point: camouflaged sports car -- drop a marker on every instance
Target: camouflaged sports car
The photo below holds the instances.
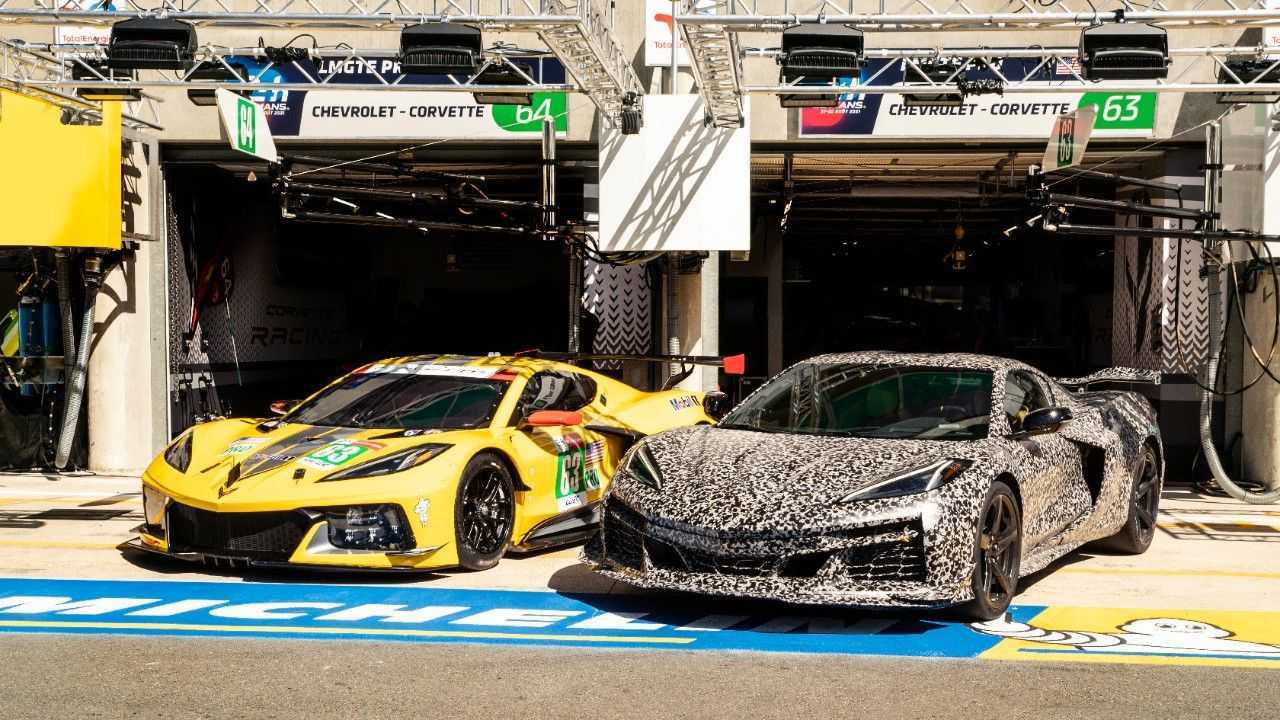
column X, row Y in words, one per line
column 883, row 479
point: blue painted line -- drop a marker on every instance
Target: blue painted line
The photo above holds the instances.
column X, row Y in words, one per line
column 449, row 615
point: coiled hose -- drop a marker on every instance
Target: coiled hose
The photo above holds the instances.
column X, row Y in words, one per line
column 1206, row 408
column 63, row 265
column 78, row 371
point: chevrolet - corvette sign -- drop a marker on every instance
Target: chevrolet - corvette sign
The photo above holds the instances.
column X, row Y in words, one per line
column 1021, row 115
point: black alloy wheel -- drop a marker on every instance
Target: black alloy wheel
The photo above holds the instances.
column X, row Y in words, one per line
column 484, row 512
column 1144, row 506
column 998, row 555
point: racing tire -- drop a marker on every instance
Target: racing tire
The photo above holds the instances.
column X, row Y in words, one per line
column 484, row 512
column 1144, row 506
column 997, row 555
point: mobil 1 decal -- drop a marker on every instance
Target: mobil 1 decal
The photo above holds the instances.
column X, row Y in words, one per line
column 361, row 114
column 577, row 470
column 1020, row 115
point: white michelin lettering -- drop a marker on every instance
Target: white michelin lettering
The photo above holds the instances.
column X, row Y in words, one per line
column 823, row 625
column 713, row 623
column 270, row 610
column 176, row 608
column 40, row 604
column 393, row 613
column 515, row 617
column 617, row 621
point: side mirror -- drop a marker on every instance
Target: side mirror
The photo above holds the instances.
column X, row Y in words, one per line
column 553, row 418
column 715, row 404
column 1045, row 420
column 280, row 407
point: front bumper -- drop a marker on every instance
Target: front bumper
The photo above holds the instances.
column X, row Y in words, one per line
column 286, row 538
column 884, row 564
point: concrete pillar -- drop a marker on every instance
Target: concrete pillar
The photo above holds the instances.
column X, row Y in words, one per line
column 698, row 319
column 127, row 372
column 1260, row 423
column 1257, row 152
column 773, row 257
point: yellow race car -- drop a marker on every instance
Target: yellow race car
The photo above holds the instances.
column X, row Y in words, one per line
column 413, row 463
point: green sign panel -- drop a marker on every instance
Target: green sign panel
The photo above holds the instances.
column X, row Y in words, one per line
column 529, row 118
column 246, row 126
column 1122, row 111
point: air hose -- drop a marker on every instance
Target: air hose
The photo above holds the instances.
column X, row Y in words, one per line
column 63, row 268
column 1216, row 332
column 94, row 271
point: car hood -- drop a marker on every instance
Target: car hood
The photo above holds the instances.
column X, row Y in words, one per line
column 249, row 462
column 740, row 480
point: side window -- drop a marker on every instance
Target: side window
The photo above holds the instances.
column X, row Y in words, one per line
column 556, row 391
column 1022, row 395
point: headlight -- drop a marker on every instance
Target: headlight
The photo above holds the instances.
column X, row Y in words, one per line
column 153, row 506
column 912, row 482
column 178, row 455
column 367, row 527
column 393, row 463
column 639, row 464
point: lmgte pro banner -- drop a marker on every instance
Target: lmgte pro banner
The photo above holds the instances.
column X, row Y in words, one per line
column 356, row 114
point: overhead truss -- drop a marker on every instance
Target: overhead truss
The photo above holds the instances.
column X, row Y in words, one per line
column 712, row 31
column 578, row 32
column 37, row 75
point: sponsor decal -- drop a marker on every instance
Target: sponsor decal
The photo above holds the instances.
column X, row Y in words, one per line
column 1029, row 115
column 450, row 615
column 545, row 618
column 429, row 368
column 1162, row 637
column 244, row 445
column 339, row 452
column 577, row 470
column 683, row 402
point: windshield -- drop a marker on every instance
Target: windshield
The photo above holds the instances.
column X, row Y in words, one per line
column 873, row 401
column 412, row 402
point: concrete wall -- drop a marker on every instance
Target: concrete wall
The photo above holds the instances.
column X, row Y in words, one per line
column 127, row 372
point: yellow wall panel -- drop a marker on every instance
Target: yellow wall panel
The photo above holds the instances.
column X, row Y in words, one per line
column 59, row 184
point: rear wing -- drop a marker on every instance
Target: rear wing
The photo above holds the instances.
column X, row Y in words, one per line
column 1112, row 374
column 732, row 364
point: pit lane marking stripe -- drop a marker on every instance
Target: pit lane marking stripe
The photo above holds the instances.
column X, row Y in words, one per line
column 289, row 630
column 67, row 544
column 1167, row 573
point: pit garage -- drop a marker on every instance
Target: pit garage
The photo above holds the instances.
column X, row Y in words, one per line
column 278, row 284
column 929, row 249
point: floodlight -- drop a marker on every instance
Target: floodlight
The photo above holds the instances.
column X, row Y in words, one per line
column 440, row 49
column 931, row 73
column 213, row 71
column 632, row 120
column 817, row 51
column 797, row 100
column 149, row 43
column 1249, row 70
column 1124, row 51
column 501, row 74
column 103, row 74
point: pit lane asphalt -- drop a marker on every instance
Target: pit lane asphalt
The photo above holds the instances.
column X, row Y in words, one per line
column 119, row 677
